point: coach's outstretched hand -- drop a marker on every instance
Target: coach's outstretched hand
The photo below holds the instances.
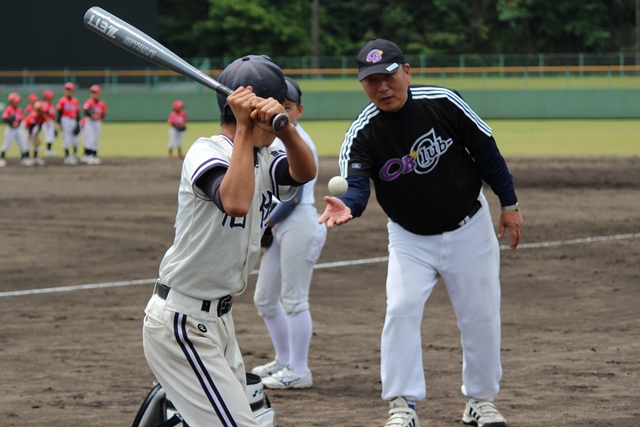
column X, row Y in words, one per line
column 336, row 212
column 512, row 221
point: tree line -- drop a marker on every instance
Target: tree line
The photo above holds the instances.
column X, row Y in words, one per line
column 230, row 28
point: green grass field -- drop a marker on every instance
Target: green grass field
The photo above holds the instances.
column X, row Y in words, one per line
column 514, row 137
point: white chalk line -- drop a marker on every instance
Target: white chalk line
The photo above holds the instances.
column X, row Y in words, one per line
column 318, row 266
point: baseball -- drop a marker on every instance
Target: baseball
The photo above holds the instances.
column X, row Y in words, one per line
column 338, row 185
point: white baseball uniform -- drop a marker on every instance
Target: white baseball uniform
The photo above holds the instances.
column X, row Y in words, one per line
column 193, row 352
column 282, row 290
column 287, row 265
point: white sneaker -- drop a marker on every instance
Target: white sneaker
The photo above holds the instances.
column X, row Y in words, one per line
column 93, row 160
column 84, row 159
column 26, row 162
column 482, row 413
column 51, row 153
column 286, row 378
column 268, row 369
column 401, row 414
column 3, row 162
column 39, row 161
column 70, row 160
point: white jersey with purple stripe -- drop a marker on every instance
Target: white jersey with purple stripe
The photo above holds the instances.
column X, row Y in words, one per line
column 308, row 197
column 213, row 253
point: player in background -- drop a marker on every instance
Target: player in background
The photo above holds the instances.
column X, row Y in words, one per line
column 32, row 99
column 293, row 245
column 49, row 126
column 68, row 109
column 28, row 109
column 178, row 124
column 427, row 154
column 33, row 124
column 13, row 116
column 226, row 186
column 95, row 110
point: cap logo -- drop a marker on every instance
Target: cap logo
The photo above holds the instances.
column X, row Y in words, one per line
column 392, row 67
column 374, row 56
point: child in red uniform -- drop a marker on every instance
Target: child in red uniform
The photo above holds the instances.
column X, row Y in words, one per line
column 49, row 126
column 178, row 122
column 95, row 110
column 29, row 108
column 33, row 124
column 69, row 119
column 13, row 116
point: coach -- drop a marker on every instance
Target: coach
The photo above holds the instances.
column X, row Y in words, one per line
column 427, row 154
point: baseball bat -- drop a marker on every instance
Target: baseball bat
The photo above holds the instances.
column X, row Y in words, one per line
column 131, row 39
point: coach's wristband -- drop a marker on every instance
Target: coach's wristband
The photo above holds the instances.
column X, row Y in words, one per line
column 515, row 207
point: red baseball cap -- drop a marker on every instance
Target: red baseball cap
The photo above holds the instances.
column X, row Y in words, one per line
column 70, row 86
column 14, row 97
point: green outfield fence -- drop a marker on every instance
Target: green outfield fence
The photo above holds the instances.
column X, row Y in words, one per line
column 496, row 86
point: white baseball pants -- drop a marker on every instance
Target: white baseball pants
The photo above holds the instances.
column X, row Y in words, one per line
column 67, row 125
column 195, row 357
column 91, row 134
column 287, row 265
column 175, row 138
column 468, row 260
column 11, row 134
column 49, row 129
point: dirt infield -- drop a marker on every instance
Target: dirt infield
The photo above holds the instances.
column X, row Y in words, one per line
column 571, row 323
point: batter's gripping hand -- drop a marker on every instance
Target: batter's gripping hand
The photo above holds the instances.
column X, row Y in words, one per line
column 336, row 212
column 267, row 238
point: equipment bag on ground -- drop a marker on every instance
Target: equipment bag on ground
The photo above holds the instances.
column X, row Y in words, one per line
column 158, row 411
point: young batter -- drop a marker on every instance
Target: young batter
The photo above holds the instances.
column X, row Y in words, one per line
column 427, row 154
column 226, row 187
column 282, row 290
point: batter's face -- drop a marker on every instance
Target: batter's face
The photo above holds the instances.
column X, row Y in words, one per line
column 388, row 92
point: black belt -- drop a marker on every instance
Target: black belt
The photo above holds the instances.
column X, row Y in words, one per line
column 466, row 219
column 224, row 303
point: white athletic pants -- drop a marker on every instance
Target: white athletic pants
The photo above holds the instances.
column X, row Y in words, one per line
column 175, row 137
column 468, row 260
column 195, row 357
column 67, row 125
column 286, row 266
column 49, row 129
column 91, row 134
column 13, row 133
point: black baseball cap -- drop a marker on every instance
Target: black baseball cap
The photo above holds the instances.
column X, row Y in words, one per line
column 379, row 56
column 257, row 71
column 293, row 90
